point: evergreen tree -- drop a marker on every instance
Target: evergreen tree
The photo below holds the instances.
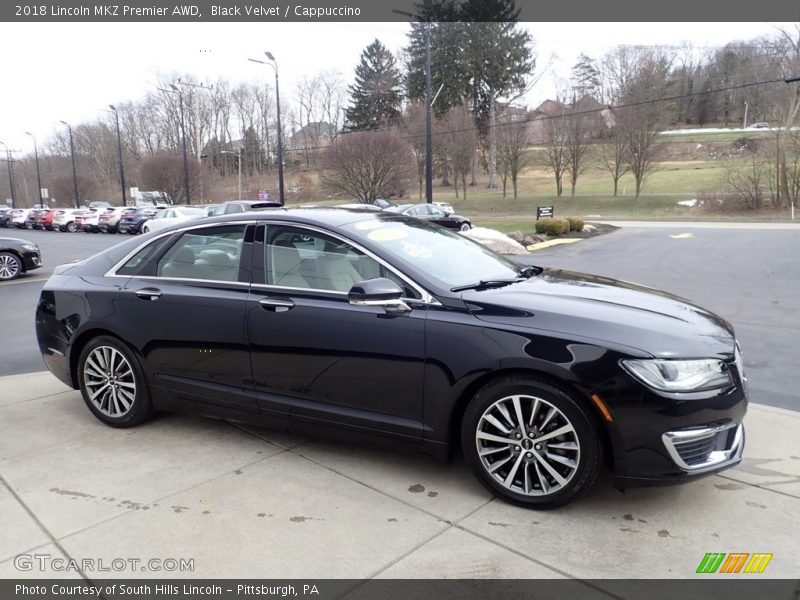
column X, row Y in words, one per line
column 376, row 95
column 586, row 78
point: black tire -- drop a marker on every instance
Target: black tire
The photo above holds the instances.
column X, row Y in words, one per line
column 70, row 227
column 585, row 430
column 10, row 266
column 141, row 407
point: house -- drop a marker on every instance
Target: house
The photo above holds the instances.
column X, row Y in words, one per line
column 312, row 136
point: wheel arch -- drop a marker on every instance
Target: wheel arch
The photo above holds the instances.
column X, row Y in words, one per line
column 579, row 395
column 79, row 343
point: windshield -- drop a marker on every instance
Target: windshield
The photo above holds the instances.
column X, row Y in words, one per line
column 446, row 256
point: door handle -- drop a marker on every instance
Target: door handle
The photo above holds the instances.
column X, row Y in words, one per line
column 148, row 294
column 276, row 304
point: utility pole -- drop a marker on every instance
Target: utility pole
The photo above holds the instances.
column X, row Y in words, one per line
column 10, row 174
column 428, row 110
column 38, row 173
column 74, row 170
column 121, row 167
column 197, row 136
column 238, row 153
column 175, row 90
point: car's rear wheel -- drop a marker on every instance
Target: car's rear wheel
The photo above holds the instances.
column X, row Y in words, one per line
column 10, row 266
column 71, row 227
column 113, row 384
column 530, row 442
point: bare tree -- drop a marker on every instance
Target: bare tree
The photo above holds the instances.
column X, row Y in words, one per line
column 414, row 130
column 164, row 172
column 749, row 183
column 513, row 139
column 462, row 144
column 614, row 154
column 579, row 128
column 368, row 165
column 556, row 156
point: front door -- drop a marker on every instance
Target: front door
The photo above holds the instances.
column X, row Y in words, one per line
column 317, row 358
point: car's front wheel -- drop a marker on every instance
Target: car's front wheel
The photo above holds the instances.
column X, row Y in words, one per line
column 465, row 227
column 71, row 227
column 113, row 384
column 530, row 442
column 10, row 266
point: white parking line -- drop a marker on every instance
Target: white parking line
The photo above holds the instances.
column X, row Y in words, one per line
column 15, row 281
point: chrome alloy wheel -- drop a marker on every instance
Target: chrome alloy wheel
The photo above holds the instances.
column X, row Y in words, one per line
column 9, row 267
column 528, row 445
column 109, row 380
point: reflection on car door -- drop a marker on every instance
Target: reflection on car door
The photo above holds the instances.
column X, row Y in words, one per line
column 316, row 357
column 189, row 307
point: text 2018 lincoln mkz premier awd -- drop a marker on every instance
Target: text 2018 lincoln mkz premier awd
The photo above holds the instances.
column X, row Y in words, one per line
column 369, row 326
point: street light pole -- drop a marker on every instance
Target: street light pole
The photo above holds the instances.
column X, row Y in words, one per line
column 119, row 147
column 428, row 116
column 274, row 64
column 74, row 170
column 38, row 173
column 239, row 155
column 10, row 175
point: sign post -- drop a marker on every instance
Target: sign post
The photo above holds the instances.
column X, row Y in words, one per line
column 543, row 212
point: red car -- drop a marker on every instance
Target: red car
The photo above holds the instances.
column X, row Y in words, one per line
column 44, row 219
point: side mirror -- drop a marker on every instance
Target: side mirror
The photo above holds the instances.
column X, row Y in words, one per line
column 378, row 292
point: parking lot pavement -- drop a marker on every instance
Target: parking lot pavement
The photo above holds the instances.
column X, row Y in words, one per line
column 750, row 277
column 252, row 502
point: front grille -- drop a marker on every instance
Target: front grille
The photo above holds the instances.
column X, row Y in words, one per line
column 704, row 447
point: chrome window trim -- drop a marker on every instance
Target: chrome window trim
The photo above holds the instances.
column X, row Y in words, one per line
column 112, row 272
column 426, row 297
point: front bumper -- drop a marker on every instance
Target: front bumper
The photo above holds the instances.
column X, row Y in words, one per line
column 31, row 260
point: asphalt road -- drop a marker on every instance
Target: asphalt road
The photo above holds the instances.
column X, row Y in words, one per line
column 749, row 276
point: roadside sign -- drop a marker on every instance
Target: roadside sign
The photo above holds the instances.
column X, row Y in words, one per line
column 45, row 192
column 263, row 195
column 544, row 212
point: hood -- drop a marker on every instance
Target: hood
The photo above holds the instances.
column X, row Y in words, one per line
column 617, row 312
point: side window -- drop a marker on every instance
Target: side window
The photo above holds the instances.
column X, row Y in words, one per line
column 232, row 208
column 300, row 258
column 212, row 253
column 134, row 264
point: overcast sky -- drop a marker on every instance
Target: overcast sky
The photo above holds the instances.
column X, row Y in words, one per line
column 58, row 71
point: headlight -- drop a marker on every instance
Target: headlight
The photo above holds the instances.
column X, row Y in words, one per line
column 30, row 247
column 680, row 375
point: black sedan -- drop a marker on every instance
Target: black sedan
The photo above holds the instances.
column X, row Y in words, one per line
column 371, row 326
column 17, row 257
column 434, row 214
column 133, row 219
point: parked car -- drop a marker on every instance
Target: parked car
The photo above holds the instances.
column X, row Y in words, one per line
column 44, row 219
column 99, row 204
column 5, row 216
column 370, row 326
column 17, row 257
column 133, row 219
column 171, row 216
column 84, row 214
column 760, row 125
column 108, row 220
column 33, row 216
column 237, row 206
column 64, row 219
column 211, row 209
column 434, row 214
column 19, row 217
column 90, row 223
column 383, row 203
column 446, row 207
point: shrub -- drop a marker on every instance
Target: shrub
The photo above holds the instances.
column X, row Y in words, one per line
column 575, row 223
column 552, row 226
